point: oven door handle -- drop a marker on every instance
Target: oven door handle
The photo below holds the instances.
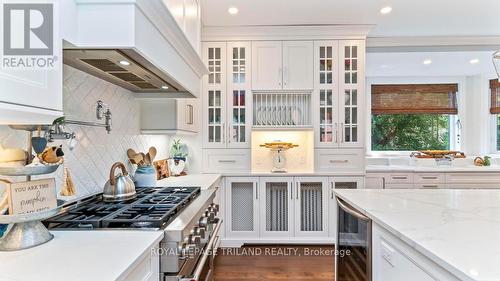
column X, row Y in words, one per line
column 351, row 211
column 208, row 251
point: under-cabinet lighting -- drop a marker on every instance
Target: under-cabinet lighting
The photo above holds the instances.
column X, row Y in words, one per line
column 386, row 10
column 427, row 61
column 164, row 87
column 232, row 10
column 474, row 61
column 124, row 62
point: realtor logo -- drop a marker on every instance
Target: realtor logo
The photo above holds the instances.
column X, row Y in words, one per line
column 28, row 30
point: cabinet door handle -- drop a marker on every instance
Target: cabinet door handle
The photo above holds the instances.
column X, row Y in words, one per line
column 280, row 76
column 223, row 133
column 430, row 186
column 336, row 132
column 257, row 191
column 291, row 191
column 383, row 183
column 399, row 178
column 430, row 178
column 229, row 133
column 189, row 114
column 227, row 161
column 331, row 188
column 285, row 75
column 297, row 191
column 341, row 132
column 339, row 161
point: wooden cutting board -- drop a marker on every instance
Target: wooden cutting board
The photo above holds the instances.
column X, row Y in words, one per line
column 161, row 167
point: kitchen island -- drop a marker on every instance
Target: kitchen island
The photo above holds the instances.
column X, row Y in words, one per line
column 86, row 255
column 431, row 234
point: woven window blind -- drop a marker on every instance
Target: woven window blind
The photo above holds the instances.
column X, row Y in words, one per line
column 414, row 99
column 495, row 96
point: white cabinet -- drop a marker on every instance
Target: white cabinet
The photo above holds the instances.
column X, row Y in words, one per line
column 187, row 14
column 31, row 96
column 282, row 65
column 226, row 161
column 311, row 206
column 394, row 260
column 297, row 65
column 227, row 95
column 339, row 160
column 374, row 181
column 169, row 116
column 242, row 213
column 276, row 207
column 147, row 268
column 267, row 73
column 339, row 93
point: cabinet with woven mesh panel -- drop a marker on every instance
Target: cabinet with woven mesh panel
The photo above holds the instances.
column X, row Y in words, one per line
column 242, row 213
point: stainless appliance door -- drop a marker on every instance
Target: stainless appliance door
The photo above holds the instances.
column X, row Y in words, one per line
column 353, row 261
column 204, row 269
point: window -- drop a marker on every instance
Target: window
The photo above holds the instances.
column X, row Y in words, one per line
column 495, row 107
column 413, row 116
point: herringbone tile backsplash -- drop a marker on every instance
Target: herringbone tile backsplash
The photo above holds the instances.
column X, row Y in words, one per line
column 89, row 162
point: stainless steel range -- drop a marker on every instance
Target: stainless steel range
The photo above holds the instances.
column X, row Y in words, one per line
column 187, row 215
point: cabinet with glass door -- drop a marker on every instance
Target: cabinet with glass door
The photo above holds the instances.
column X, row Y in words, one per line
column 339, row 68
column 227, row 95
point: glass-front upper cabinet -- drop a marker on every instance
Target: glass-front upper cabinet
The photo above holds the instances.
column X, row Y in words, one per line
column 239, row 94
column 339, row 81
column 326, row 97
column 351, row 92
column 214, row 92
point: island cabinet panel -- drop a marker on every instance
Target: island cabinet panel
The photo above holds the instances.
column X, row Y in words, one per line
column 394, row 260
column 147, row 268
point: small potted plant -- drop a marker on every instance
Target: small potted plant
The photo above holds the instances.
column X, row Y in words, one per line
column 178, row 154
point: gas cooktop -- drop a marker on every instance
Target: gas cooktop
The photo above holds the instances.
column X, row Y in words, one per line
column 153, row 207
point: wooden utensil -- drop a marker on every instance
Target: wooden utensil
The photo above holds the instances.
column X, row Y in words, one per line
column 131, row 153
column 152, row 153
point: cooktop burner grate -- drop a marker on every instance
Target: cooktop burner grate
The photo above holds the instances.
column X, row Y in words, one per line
column 152, row 208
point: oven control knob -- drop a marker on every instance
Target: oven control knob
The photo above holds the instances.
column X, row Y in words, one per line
column 196, row 241
column 203, row 222
column 210, row 216
column 201, row 232
column 183, row 251
column 215, row 206
column 213, row 210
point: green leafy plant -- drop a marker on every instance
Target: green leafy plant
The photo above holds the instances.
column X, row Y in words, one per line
column 178, row 149
column 410, row 132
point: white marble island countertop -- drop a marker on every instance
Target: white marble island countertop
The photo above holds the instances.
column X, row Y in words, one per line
column 79, row 256
column 457, row 229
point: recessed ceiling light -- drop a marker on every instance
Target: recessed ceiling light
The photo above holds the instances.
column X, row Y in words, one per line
column 124, row 62
column 386, row 10
column 474, row 61
column 164, row 87
column 427, row 61
column 232, row 10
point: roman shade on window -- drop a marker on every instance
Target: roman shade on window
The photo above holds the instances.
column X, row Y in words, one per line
column 495, row 96
column 414, row 99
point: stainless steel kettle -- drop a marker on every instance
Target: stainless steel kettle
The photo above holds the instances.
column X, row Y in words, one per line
column 118, row 188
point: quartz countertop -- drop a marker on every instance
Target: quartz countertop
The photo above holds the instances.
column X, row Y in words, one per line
column 430, row 169
column 202, row 180
column 79, row 256
column 457, row 229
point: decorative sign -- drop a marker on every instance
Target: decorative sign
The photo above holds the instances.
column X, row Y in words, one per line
column 32, row 196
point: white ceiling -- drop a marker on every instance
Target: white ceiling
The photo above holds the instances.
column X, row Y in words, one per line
column 408, row 17
column 443, row 64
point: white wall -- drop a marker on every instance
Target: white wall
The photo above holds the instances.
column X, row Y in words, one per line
column 96, row 151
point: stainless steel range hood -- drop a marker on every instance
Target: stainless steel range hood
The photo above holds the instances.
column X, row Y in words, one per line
column 123, row 67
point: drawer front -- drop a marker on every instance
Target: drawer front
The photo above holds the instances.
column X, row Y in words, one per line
column 398, row 186
column 473, row 178
column 429, row 178
column 340, row 160
column 429, row 185
column 405, row 178
column 226, row 161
